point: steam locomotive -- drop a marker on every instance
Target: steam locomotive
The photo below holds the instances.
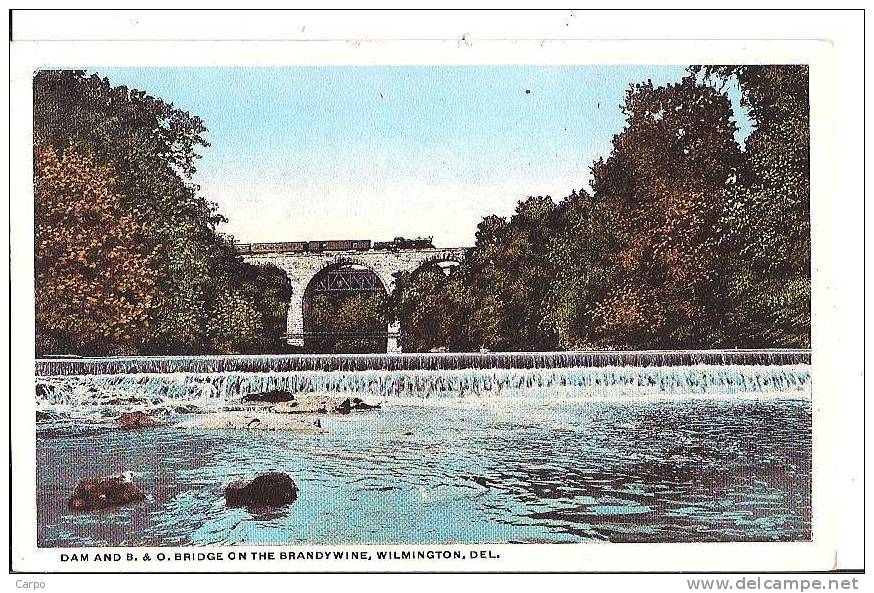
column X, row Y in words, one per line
column 401, row 243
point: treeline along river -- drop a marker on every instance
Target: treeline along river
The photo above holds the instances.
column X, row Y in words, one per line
column 515, row 447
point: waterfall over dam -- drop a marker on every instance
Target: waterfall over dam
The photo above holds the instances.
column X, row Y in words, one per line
column 218, row 380
column 432, row 361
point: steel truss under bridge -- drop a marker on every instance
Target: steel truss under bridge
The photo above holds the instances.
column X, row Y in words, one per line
column 347, row 280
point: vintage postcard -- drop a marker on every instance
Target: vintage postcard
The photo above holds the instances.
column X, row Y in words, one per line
column 401, row 306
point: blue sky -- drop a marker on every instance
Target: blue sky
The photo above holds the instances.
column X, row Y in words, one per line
column 374, row 152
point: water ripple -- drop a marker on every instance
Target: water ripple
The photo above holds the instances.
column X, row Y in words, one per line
column 531, row 470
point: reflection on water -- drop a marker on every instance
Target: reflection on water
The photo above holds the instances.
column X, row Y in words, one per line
column 526, row 469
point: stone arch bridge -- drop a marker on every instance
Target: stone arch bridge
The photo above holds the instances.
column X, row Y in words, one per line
column 303, row 267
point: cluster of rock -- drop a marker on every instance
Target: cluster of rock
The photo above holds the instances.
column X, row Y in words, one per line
column 269, row 410
column 323, row 404
column 266, row 490
column 279, row 410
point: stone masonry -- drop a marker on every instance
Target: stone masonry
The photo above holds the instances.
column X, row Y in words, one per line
column 301, row 268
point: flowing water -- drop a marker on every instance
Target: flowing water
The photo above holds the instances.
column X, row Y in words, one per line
column 694, row 452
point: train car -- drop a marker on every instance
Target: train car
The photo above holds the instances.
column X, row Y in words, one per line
column 278, row 247
column 337, row 245
column 296, row 246
column 361, row 244
column 340, row 245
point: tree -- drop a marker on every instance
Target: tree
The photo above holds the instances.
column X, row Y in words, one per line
column 420, row 301
column 94, row 276
column 346, row 312
column 580, row 251
column 497, row 296
column 766, row 222
column 152, row 148
column 269, row 289
column 247, row 309
column 671, row 170
column 234, row 323
column 686, row 241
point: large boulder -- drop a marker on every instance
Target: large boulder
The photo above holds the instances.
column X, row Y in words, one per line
column 135, row 420
column 100, row 493
column 252, row 421
column 266, row 490
column 272, row 397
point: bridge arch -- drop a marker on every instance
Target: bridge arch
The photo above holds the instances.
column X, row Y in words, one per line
column 445, row 261
column 302, row 267
column 326, row 298
column 343, row 308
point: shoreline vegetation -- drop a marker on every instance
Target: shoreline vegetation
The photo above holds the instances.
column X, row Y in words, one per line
column 684, row 239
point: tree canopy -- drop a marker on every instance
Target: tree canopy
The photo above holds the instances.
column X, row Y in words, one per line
column 683, row 239
column 151, row 148
column 686, row 239
column 94, row 276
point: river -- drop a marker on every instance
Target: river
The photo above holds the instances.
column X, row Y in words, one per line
column 619, row 454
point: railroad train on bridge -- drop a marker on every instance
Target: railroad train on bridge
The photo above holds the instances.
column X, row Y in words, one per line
column 399, row 243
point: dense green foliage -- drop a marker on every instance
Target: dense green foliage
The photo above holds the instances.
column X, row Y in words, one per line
column 419, row 299
column 345, row 312
column 686, row 240
column 766, row 225
column 670, row 171
column 95, row 283
column 207, row 298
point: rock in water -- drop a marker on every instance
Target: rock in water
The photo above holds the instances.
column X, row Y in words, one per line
column 251, row 421
column 188, row 409
column 46, row 416
column 270, row 489
column 345, row 406
column 109, row 491
column 322, row 404
column 355, row 403
column 310, row 405
column 272, row 397
column 134, row 420
column 360, row 404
